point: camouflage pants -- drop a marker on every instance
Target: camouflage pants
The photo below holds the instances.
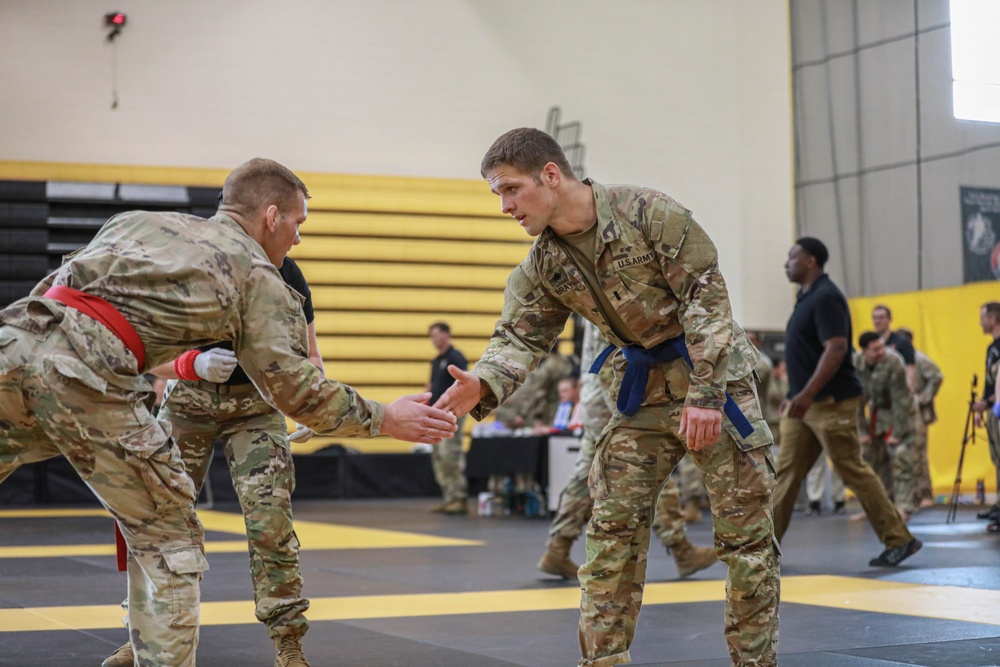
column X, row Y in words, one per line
column 52, row 403
column 894, row 467
column 448, row 460
column 923, row 488
column 634, row 457
column 832, row 427
column 253, row 436
column 692, row 485
column 575, row 504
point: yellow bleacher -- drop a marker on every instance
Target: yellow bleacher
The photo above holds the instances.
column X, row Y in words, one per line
column 387, row 258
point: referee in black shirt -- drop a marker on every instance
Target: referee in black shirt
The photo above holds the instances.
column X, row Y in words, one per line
column 447, row 457
column 820, row 412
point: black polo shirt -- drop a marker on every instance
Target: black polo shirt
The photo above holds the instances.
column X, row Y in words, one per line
column 820, row 314
column 441, row 379
column 292, row 274
column 989, row 379
column 903, row 346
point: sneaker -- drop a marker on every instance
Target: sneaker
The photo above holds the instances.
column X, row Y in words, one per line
column 893, row 556
column 993, row 514
column 993, row 527
column 840, row 507
column 814, row 509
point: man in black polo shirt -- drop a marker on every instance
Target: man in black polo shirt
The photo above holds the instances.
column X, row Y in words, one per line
column 448, row 458
column 820, row 412
column 986, row 412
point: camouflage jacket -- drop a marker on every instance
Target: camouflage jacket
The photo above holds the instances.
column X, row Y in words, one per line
column 183, row 282
column 927, row 379
column 888, row 394
column 538, row 397
column 595, row 388
column 658, row 268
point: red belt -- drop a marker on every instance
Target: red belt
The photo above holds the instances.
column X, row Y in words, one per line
column 103, row 312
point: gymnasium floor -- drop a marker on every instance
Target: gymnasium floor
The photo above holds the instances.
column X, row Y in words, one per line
column 392, row 584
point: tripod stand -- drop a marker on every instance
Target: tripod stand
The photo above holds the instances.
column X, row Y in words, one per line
column 969, row 434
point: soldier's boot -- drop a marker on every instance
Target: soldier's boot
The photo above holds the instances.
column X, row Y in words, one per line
column 439, row 508
column 556, row 558
column 288, row 652
column 691, row 559
column 459, row 506
column 123, row 657
column 692, row 512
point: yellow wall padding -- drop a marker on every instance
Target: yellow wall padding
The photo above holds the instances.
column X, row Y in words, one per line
column 427, row 251
column 945, row 325
column 392, row 274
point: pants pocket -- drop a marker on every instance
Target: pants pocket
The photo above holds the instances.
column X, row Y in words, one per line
column 185, row 566
column 159, row 465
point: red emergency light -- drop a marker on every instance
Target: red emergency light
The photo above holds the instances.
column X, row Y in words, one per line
column 115, row 19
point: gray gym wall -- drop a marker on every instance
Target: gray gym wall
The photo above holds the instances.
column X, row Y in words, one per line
column 880, row 157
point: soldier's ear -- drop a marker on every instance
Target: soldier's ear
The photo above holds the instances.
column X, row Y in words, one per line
column 271, row 217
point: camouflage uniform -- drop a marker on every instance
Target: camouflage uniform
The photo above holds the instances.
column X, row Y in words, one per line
column 68, row 386
column 887, row 394
column 777, row 391
column 658, row 270
column 536, row 400
column 575, row 504
column 927, row 379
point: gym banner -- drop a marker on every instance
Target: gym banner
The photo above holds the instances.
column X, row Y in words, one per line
column 981, row 233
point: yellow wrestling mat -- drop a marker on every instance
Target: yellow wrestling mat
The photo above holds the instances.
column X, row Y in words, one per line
column 835, row 592
column 312, row 536
column 943, row 602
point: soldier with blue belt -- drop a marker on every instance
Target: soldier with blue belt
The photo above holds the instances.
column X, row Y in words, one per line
column 635, row 263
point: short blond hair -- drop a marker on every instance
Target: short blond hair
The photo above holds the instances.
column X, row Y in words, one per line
column 258, row 183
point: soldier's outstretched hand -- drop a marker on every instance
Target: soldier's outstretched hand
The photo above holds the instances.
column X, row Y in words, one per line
column 409, row 418
column 463, row 395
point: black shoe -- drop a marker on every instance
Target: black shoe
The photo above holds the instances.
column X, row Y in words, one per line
column 839, row 507
column 814, row 509
column 893, row 556
column 993, row 527
column 993, row 514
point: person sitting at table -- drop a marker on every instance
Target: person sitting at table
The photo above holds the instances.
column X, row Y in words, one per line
column 568, row 411
column 533, row 405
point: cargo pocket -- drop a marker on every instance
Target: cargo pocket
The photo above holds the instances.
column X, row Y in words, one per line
column 74, row 369
column 745, row 396
column 185, row 565
column 160, row 468
column 597, row 481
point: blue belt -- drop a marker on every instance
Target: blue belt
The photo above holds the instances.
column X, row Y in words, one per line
column 639, row 359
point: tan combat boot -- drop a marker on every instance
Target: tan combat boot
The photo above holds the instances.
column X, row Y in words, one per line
column 455, row 507
column 288, row 652
column 556, row 559
column 692, row 512
column 690, row 558
column 123, row 657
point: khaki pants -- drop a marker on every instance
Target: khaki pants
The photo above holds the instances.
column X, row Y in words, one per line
column 832, row 427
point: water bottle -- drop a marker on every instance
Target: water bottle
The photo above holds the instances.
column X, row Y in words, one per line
column 980, row 492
